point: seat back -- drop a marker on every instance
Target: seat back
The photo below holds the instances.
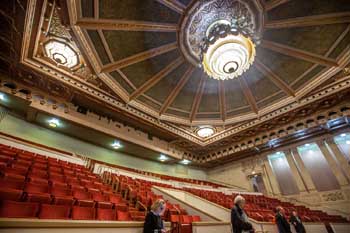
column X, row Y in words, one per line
column 83, row 213
column 106, row 214
column 13, row 209
column 54, row 211
column 36, row 188
column 123, row 216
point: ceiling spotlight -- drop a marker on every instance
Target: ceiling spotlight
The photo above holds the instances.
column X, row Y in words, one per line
column 163, row 158
column 343, row 134
column 205, row 131
column 54, row 122
column 117, row 145
column 307, row 144
column 279, row 152
column 2, row 96
column 185, row 161
column 348, row 142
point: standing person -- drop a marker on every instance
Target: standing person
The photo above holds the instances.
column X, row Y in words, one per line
column 153, row 222
column 296, row 222
column 239, row 219
column 281, row 221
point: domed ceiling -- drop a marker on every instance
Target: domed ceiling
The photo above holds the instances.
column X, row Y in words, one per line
column 143, row 57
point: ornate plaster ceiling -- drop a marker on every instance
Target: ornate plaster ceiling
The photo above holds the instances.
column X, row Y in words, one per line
column 132, row 58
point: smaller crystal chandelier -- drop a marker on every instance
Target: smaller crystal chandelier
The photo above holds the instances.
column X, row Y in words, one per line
column 228, row 49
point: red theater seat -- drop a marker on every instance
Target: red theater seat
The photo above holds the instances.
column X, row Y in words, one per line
column 83, row 213
column 12, row 209
column 83, row 198
column 62, row 196
column 102, row 201
column 38, row 193
column 123, row 216
column 196, row 218
column 106, row 214
column 54, row 212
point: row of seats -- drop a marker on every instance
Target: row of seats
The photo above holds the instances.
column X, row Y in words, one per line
column 13, row 209
column 35, row 186
column 262, row 208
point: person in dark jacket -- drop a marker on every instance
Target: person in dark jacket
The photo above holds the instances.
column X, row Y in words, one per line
column 239, row 219
column 153, row 221
column 297, row 223
column 282, row 223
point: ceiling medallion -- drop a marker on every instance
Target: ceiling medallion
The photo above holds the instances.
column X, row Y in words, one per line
column 205, row 131
column 61, row 53
column 220, row 36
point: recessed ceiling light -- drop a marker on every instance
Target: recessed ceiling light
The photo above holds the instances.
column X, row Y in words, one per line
column 343, row 134
column 163, row 158
column 205, row 131
column 54, row 122
column 185, row 161
column 279, row 152
column 117, row 145
column 2, row 96
column 307, row 144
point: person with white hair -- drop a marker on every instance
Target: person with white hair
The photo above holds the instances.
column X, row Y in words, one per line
column 239, row 219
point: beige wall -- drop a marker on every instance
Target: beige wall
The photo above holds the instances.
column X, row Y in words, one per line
column 22, row 129
column 232, row 174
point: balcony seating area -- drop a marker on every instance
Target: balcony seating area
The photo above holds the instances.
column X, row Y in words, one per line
column 262, row 208
column 169, row 178
column 36, row 186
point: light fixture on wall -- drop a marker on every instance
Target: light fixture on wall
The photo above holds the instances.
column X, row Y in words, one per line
column 205, row 131
column 116, row 145
column 62, row 53
column 54, row 122
column 163, row 158
column 185, row 161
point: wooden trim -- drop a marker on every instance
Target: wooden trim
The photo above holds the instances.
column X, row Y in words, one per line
column 105, row 45
column 171, row 97
column 222, row 99
column 298, row 53
column 315, row 20
column 174, row 5
column 138, row 57
column 210, row 223
column 125, row 25
column 274, row 78
column 197, row 98
column 248, row 95
column 274, row 3
column 42, row 223
column 156, row 78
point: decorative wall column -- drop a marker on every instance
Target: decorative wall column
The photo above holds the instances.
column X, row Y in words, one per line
column 332, row 163
column 303, row 171
column 271, row 178
column 296, row 173
column 343, row 162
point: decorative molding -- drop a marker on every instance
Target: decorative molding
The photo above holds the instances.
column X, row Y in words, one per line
column 124, row 25
column 307, row 21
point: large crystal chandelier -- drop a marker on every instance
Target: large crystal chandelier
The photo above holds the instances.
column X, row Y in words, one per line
column 228, row 49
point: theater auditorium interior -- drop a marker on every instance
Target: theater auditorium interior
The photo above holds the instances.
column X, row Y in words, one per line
column 107, row 106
